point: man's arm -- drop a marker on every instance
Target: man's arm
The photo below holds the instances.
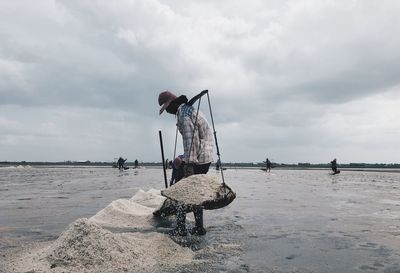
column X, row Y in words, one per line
column 198, row 96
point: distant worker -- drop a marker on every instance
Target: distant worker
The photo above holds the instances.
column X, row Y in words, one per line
column 166, row 163
column 268, row 168
column 121, row 162
column 218, row 164
column 136, row 163
column 334, row 166
column 198, row 149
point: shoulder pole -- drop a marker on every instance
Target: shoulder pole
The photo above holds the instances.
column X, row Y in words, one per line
column 176, row 138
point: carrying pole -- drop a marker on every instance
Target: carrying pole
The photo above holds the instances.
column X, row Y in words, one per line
column 176, row 138
column 194, row 128
column 163, row 160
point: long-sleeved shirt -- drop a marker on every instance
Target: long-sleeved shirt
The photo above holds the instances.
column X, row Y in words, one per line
column 202, row 147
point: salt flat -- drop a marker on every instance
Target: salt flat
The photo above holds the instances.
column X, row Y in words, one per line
column 283, row 221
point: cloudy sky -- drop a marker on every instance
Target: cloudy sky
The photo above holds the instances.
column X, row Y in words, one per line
column 292, row 80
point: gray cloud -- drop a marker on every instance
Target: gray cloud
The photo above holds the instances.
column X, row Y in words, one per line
column 280, row 74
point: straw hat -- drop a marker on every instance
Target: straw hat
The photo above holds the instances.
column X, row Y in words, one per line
column 164, row 99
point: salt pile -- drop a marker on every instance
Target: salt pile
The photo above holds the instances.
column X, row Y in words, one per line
column 87, row 246
column 152, row 198
column 135, row 214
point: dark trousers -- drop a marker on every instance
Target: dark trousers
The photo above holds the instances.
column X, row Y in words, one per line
column 181, row 219
column 201, row 169
column 178, row 173
column 197, row 210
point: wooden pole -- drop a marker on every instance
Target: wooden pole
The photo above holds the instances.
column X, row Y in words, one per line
column 163, row 160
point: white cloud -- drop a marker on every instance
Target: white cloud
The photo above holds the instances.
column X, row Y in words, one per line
column 301, row 79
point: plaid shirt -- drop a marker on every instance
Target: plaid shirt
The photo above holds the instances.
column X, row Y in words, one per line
column 202, row 147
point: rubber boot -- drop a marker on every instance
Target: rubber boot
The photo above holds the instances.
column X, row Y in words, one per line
column 180, row 222
column 198, row 217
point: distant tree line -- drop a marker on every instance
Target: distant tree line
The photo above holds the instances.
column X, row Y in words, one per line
column 301, row 165
column 352, row 165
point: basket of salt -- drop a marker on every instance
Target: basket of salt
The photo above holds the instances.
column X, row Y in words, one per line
column 201, row 190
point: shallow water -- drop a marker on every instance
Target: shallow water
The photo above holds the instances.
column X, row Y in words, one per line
column 283, row 221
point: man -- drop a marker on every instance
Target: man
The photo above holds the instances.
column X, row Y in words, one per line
column 334, row 165
column 197, row 146
column 268, row 169
column 218, row 164
column 121, row 163
column 136, row 163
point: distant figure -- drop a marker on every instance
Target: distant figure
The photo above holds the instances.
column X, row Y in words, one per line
column 268, row 168
column 136, row 163
column 334, row 166
column 121, row 162
column 166, row 163
column 218, row 164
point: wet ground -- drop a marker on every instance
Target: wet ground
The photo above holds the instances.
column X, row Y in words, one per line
column 283, row 221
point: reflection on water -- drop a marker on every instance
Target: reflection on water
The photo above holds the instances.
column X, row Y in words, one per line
column 283, row 221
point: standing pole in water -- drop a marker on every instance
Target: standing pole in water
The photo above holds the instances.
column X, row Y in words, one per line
column 163, row 161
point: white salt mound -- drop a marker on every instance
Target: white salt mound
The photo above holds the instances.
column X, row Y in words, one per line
column 152, row 198
column 86, row 246
column 135, row 214
column 124, row 213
